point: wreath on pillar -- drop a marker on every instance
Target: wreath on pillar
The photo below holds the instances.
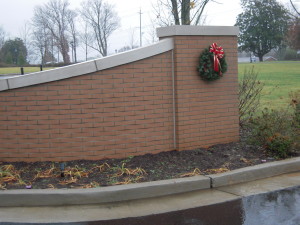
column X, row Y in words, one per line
column 212, row 63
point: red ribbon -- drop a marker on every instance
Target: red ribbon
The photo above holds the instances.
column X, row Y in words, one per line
column 218, row 54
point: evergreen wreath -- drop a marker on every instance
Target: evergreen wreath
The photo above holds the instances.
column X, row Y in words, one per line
column 212, row 63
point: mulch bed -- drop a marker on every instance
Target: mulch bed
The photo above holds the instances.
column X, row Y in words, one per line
column 149, row 167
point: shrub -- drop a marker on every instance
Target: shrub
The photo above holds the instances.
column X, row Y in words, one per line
column 249, row 95
column 279, row 146
column 297, row 115
column 295, row 102
column 291, row 54
column 273, row 130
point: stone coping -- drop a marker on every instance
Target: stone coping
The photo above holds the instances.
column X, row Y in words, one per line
column 117, row 59
column 187, row 30
column 86, row 67
column 63, row 197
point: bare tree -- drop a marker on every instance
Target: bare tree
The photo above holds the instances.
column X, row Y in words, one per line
column 293, row 34
column 180, row 12
column 25, row 34
column 151, row 36
column 294, row 7
column 74, row 34
column 2, row 37
column 103, row 20
column 40, row 42
column 132, row 41
column 54, row 17
column 250, row 88
column 43, row 43
column 86, row 39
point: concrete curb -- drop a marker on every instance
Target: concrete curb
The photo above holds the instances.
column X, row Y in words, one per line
column 255, row 172
column 64, row 197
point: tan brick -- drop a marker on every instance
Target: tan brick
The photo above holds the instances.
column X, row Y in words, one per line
column 126, row 110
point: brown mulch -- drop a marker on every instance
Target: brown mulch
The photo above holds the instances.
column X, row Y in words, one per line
column 150, row 167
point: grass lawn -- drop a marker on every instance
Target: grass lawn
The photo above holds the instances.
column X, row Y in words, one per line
column 279, row 78
column 16, row 70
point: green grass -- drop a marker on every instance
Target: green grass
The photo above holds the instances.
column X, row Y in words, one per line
column 16, row 70
column 279, row 78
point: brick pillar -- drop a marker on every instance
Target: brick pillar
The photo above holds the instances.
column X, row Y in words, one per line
column 206, row 112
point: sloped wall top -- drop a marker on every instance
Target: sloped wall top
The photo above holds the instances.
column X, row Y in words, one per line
column 86, row 67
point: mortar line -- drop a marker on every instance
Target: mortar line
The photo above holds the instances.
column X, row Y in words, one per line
column 7, row 84
column 96, row 65
column 228, row 192
column 217, row 188
column 174, row 102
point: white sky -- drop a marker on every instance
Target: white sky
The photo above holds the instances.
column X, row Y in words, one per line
column 15, row 13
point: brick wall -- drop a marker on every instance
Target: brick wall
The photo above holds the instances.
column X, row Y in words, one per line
column 111, row 113
column 207, row 112
column 125, row 110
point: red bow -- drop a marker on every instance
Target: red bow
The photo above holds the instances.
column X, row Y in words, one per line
column 218, row 54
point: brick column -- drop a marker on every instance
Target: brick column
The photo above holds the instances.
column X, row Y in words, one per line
column 206, row 112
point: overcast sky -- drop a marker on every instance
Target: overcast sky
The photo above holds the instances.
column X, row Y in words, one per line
column 14, row 14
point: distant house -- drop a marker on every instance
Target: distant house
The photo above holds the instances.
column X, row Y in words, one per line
column 270, row 58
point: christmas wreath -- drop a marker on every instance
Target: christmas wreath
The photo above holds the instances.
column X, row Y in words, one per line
column 212, row 63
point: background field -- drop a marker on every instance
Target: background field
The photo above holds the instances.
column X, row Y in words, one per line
column 16, row 70
column 279, row 78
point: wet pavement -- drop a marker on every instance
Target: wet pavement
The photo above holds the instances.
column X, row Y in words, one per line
column 227, row 213
column 273, row 208
column 269, row 201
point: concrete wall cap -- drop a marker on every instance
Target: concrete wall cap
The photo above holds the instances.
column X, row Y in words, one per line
column 3, row 85
column 182, row 30
column 86, row 67
column 51, row 75
column 135, row 54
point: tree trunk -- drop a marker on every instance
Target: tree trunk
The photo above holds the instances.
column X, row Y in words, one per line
column 66, row 57
column 86, row 51
column 260, row 58
column 175, row 12
column 75, row 54
column 185, row 12
column 65, row 51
